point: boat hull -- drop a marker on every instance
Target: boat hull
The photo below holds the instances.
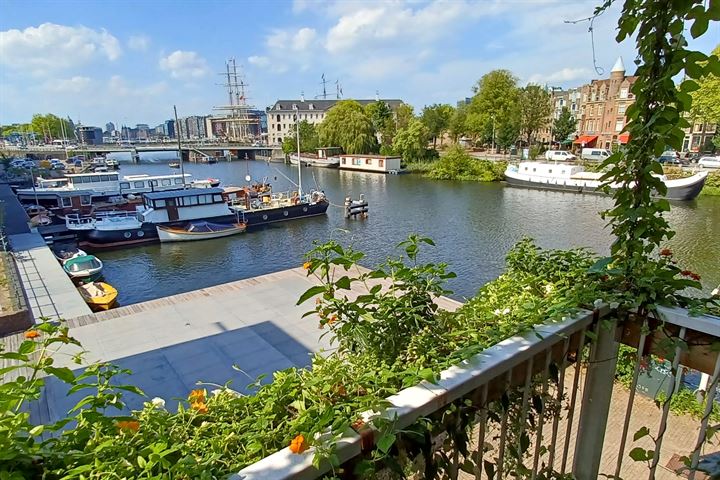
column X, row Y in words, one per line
column 260, row 217
column 99, row 302
column 316, row 162
column 687, row 189
column 167, row 234
column 102, row 239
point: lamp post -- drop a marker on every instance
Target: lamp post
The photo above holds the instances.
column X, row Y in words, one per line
column 297, row 136
column 493, row 135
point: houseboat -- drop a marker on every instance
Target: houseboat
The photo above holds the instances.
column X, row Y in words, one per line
column 323, row 158
column 257, row 206
column 574, row 178
column 370, row 163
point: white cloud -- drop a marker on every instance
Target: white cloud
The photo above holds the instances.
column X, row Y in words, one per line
column 184, row 64
column 563, row 75
column 139, row 42
column 119, row 87
column 303, row 38
column 260, row 61
column 76, row 84
column 51, row 47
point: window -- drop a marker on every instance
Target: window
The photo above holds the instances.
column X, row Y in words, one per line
column 138, row 184
column 96, row 178
column 124, row 185
column 113, row 178
column 193, row 200
column 534, row 169
column 178, row 181
column 66, row 202
column 526, row 169
column 153, row 183
column 619, row 125
column 166, row 182
column 368, row 161
column 104, row 178
column 381, row 163
column 550, row 170
column 621, row 110
column 278, row 118
column 217, row 198
column 85, row 200
column 624, row 92
column 343, row 161
column 311, row 107
column 278, row 107
column 159, row 203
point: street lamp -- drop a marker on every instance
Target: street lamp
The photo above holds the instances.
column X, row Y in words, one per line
column 297, row 136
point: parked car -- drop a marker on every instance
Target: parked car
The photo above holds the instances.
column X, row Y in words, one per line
column 709, row 162
column 670, row 157
column 595, row 154
column 559, row 155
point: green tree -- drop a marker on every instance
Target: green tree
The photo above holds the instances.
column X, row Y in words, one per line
column 404, row 114
column 495, row 101
column 347, row 125
column 309, row 141
column 507, row 133
column 457, row 124
column 706, row 99
column 50, row 127
column 534, row 107
column 437, row 120
column 411, row 142
column 379, row 113
column 564, row 126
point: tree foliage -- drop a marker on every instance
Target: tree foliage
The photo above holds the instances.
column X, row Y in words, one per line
column 347, row 125
column 706, row 99
column 411, row 142
column 404, row 114
column 457, row 164
column 380, row 114
column 457, row 123
column 437, row 120
column 535, row 107
column 496, row 96
column 51, row 127
column 564, row 126
column 309, row 141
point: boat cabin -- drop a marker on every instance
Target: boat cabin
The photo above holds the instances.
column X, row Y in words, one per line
column 370, row 163
column 183, row 205
column 153, row 183
column 102, row 183
column 549, row 170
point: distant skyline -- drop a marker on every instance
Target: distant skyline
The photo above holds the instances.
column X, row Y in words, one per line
column 129, row 62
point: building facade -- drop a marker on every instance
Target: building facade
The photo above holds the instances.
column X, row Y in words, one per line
column 569, row 99
column 698, row 137
column 90, row 135
column 281, row 116
column 603, row 105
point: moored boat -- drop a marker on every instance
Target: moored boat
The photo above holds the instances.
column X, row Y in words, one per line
column 311, row 160
column 201, row 230
column 85, row 267
column 574, row 178
column 98, row 295
column 174, row 164
column 110, row 229
column 64, row 252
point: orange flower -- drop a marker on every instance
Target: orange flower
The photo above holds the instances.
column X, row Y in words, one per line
column 332, row 320
column 665, row 252
column 32, row 334
column 197, row 396
column 199, row 407
column 298, row 444
column 129, row 425
column 307, row 265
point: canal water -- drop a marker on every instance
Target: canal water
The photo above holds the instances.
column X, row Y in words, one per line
column 473, row 225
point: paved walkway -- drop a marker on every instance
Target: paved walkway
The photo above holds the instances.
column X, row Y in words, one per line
column 49, row 291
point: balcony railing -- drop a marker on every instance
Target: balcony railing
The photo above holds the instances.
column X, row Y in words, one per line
column 543, row 402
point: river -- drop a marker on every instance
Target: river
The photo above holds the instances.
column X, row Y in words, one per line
column 473, row 225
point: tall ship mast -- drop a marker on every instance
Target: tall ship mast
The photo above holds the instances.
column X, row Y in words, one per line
column 235, row 121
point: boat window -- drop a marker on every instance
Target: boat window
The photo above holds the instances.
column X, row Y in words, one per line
column 217, row 198
column 193, row 200
column 85, row 200
column 563, row 171
column 526, row 169
column 381, row 163
column 96, row 178
column 138, row 184
column 153, row 183
column 159, row 203
column 343, row 161
column 550, row 170
column 113, row 178
column 104, row 178
column 368, row 161
column 534, row 169
column 124, row 185
column 166, row 182
column 178, row 181
column 66, row 201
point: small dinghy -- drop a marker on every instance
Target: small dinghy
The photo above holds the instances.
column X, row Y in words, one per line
column 86, row 267
column 98, row 295
column 65, row 252
column 198, row 231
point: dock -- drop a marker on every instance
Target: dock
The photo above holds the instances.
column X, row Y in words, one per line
column 173, row 343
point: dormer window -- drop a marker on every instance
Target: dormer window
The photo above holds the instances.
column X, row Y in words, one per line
column 311, row 106
column 278, row 107
column 294, row 107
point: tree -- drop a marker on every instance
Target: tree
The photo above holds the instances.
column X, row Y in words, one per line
column 437, row 119
column 50, row 127
column 411, row 142
column 404, row 113
column 457, row 124
column 564, row 126
column 706, row 99
column 347, row 125
column 535, row 107
column 379, row 113
column 495, row 101
column 309, row 141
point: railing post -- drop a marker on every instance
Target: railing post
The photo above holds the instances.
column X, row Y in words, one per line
column 597, row 394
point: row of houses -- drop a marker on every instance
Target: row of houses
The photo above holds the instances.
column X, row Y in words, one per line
column 600, row 110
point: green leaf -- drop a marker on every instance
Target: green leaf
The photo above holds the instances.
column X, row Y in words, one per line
column 28, row 346
column 385, row 442
column 343, row 282
column 489, row 469
column 141, row 461
column 427, row 374
column 37, row 430
column 63, row 373
column 699, row 26
column 639, row 454
column 644, row 431
column 310, row 292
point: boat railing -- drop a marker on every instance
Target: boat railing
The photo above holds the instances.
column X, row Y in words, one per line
column 86, row 222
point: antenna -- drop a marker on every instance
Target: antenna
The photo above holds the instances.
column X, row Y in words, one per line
column 324, row 82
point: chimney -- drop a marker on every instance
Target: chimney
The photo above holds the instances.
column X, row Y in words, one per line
column 302, row 97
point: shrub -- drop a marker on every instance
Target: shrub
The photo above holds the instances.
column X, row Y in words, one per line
column 457, row 164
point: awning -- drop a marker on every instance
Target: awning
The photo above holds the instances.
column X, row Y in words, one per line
column 586, row 140
column 624, row 138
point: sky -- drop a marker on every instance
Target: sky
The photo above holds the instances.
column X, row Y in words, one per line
column 129, row 62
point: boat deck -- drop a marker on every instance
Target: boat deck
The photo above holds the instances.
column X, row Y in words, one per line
column 172, row 343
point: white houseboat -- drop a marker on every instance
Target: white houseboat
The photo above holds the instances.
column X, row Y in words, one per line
column 370, row 163
column 574, row 178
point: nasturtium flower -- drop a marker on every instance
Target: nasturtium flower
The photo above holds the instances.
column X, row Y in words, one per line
column 197, row 396
column 307, row 265
column 665, row 252
column 298, row 444
column 32, row 334
column 200, row 407
column 129, row 425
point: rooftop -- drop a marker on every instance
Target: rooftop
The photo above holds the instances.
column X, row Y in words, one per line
column 322, row 105
column 182, row 193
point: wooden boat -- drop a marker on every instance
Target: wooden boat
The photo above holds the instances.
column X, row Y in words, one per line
column 86, row 267
column 98, row 295
column 65, row 252
column 201, row 230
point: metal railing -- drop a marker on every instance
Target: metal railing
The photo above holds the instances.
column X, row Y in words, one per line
column 570, row 366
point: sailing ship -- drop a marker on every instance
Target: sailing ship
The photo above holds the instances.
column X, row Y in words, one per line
column 574, row 178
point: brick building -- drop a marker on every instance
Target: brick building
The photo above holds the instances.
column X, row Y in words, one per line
column 602, row 109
